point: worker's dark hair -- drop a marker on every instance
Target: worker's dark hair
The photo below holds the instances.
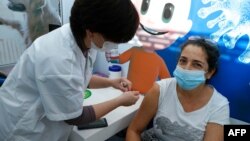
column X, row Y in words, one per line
column 116, row 20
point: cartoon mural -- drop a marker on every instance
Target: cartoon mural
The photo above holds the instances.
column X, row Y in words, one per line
column 233, row 23
column 154, row 69
column 225, row 21
column 161, row 16
column 164, row 21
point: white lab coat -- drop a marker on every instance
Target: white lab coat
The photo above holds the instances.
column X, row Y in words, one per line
column 44, row 89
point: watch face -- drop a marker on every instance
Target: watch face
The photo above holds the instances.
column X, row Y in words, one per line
column 86, row 94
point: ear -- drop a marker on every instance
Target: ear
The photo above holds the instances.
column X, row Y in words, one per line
column 88, row 38
column 210, row 74
column 89, row 33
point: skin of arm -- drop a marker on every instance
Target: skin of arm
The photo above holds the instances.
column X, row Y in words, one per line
column 126, row 99
column 214, row 132
column 144, row 115
column 97, row 111
column 93, row 112
column 99, row 82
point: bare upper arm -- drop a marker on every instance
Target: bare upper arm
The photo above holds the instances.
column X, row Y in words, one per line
column 214, row 132
column 146, row 111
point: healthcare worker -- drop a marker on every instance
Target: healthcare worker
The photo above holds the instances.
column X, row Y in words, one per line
column 41, row 99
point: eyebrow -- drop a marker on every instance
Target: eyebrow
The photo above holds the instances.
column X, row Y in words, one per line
column 196, row 61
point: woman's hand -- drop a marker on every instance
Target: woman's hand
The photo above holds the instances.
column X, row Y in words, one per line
column 121, row 83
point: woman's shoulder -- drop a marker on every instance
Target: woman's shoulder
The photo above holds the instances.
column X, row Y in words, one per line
column 218, row 99
column 167, row 83
column 219, row 96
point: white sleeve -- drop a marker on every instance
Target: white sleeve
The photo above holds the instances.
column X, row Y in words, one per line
column 162, row 85
column 60, row 85
column 61, row 96
column 221, row 115
column 166, row 87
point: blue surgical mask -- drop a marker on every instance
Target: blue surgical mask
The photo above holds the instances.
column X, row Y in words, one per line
column 107, row 46
column 189, row 79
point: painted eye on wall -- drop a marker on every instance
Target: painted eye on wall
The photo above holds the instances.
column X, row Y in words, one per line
column 144, row 6
column 167, row 12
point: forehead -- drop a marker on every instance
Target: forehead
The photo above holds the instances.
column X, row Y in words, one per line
column 193, row 52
